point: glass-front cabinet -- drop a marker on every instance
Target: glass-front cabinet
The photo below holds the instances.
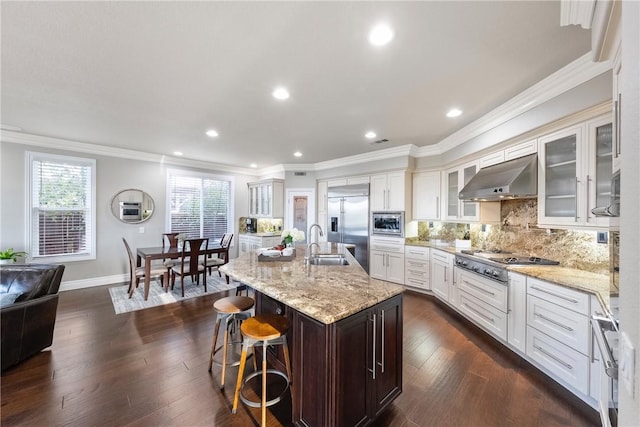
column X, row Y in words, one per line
column 456, row 180
column 575, row 174
column 266, row 198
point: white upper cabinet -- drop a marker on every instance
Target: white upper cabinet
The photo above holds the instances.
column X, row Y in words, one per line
column 266, row 198
column 458, row 210
column 390, row 192
column 575, row 174
column 426, row 196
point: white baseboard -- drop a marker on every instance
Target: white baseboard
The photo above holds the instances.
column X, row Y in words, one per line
column 95, row 281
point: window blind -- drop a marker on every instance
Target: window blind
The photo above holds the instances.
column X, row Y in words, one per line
column 61, row 206
column 199, row 206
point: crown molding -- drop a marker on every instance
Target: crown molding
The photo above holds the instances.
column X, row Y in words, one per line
column 101, row 150
column 403, row 150
column 577, row 12
column 563, row 80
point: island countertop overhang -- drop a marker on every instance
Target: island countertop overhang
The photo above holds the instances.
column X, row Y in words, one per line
column 324, row 293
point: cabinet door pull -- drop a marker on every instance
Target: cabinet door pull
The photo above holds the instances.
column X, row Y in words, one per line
column 479, row 288
column 588, row 196
column 373, row 354
column 576, row 200
column 445, row 274
column 382, row 345
column 555, row 322
column 438, row 206
column 490, row 319
column 574, row 301
column 545, row 352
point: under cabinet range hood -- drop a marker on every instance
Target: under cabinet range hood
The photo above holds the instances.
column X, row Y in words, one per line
column 515, row 179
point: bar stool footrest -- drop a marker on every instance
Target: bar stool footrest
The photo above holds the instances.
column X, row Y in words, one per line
column 254, row 374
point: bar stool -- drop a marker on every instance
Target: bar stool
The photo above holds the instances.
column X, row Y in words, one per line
column 268, row 329
column 233, row 310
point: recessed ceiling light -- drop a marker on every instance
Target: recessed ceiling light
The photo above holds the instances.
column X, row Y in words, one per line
column 177, row 153
column 370, row 135
column 280, row 93
column 253, row 165
column 212, row 133
column 380, row 35
column 297, row 154
column 454, row 112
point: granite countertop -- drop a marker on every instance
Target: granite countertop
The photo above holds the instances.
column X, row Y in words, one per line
column 585, row 281
column 325, row 293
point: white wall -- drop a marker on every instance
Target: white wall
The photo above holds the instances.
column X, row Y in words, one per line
column 112, row 175
column 630, row 204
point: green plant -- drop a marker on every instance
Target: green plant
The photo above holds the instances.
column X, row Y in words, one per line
column 11, row 254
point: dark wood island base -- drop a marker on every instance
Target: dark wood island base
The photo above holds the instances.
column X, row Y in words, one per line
column 344, row 373
column 345, row 334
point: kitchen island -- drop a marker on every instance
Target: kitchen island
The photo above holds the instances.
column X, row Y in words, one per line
column 345, row 334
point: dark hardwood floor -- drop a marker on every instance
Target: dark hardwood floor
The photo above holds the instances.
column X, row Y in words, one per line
column 149, row 368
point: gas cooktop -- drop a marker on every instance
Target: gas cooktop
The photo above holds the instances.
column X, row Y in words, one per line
column 504, row 257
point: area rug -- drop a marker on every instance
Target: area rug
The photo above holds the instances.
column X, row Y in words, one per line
column 157, row 295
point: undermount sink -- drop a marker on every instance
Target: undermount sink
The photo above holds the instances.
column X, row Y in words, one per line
column 328, row 259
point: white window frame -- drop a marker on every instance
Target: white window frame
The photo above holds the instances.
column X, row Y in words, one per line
column 30, row 231
column 201, row 175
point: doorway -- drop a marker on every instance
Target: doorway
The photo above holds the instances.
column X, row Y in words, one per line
column 300, row 212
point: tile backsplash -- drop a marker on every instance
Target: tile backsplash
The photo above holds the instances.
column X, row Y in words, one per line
column 518, row 233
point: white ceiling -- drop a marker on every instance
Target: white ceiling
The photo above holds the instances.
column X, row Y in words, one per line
column 154, row 76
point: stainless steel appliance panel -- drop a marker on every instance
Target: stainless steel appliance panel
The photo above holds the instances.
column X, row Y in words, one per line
column 348, row 209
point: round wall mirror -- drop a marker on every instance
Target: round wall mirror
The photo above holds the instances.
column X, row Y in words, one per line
column 132, row 206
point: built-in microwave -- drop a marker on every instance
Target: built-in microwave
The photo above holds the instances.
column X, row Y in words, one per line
column 387, row 223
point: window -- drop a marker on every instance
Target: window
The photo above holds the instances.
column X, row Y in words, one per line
column 199, row 205
column 61, row 208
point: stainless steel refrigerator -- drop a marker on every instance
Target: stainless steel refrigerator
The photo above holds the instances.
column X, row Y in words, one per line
column 349, row 219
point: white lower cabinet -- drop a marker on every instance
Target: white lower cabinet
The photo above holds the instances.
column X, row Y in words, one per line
column 386, row 259
column 250, row 243
column 483, row 301
column 442, row 274
column 517, row 312
column 568, row 327
column 484, row 315
column 563, row 362
column 416, row 268
column 558, row 332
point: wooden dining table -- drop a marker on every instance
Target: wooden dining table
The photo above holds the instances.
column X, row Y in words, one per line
column 159, row 252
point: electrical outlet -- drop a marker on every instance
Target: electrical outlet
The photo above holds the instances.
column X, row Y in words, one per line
column 626, row 368
column 140, row 230
column 603, row 237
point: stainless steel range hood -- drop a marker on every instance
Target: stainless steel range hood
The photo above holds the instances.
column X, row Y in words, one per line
column 515, row 179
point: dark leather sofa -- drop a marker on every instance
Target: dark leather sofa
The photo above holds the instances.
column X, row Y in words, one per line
column 27, row 323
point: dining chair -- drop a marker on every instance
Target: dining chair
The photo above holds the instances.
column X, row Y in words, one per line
column 137, row 273
column 220, row 258
column 172, row 240
column 190, row 263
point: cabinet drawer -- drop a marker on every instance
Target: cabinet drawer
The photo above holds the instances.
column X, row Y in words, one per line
column 422, row 283
column 564, row 297
column 561, row 361
column 387, row 245
column 440, row 256
column 416, row 252
column 493, row 293
column 487, row 317
column 417, row 273
column 564, row 325
column 414, row 264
